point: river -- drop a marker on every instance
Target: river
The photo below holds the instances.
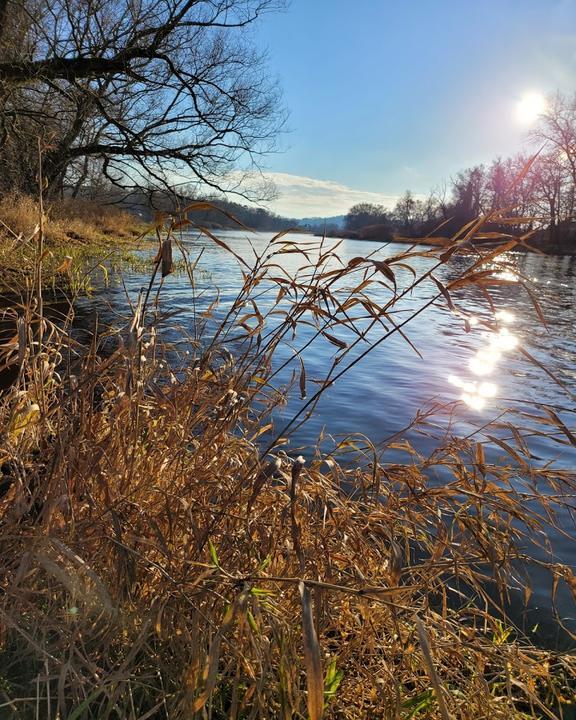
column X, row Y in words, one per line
column 469, row 376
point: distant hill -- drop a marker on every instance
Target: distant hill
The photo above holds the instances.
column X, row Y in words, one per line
column 318, row 223
column 146, row 204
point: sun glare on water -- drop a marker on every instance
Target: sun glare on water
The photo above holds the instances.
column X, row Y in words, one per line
column 530, row 107
column 477, row 392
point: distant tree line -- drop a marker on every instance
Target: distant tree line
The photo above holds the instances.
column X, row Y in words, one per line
column 227, row 214
column 540, row 191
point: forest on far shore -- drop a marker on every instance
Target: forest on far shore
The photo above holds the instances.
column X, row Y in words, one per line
column 537, row 187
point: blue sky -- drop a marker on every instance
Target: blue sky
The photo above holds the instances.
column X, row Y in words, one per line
column 386, row 95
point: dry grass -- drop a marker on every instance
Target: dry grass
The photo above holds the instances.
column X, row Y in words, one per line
column 67, row 220
column 75, row 232
column 157, row 562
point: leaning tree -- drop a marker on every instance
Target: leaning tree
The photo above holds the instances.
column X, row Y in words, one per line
column 143, row 91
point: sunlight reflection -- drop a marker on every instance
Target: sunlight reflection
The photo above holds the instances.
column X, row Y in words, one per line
column 469, row 387
column 485, row 361
column 476, row 402
column 505, row 316
column 473, row 396
column 507, row 275
column 487, row 390
column 504, row 340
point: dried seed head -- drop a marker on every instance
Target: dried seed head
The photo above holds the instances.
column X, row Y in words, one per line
column 297, row 466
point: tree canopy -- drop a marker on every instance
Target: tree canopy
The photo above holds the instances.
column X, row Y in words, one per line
column 139, row 92
column 364, row 214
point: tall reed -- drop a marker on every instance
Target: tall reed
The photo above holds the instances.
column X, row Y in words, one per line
column 163, row 555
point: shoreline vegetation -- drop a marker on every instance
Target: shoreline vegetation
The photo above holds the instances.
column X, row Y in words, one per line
column 82, row 242
column 164, row 555
column 77, row 235
column 538, row 242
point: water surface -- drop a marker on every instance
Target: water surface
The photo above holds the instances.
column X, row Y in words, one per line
column 472, row 375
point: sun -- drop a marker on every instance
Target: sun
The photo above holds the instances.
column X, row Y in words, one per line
column 529, row 108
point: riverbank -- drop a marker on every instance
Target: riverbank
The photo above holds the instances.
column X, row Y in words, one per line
column 538, row 242
column 158, row 557
column 66, row 221
column 75, row 234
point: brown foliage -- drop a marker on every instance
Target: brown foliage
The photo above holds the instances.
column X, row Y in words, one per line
column 155, row 563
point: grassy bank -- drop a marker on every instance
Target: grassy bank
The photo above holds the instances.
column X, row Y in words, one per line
column 75, row 233
column 65, row 221
column 159, row 559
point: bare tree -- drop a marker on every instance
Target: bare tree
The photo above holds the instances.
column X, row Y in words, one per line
column 557, row 131
column 362, row 215
column 146, row 91
column 469, row 193
column 404, row 213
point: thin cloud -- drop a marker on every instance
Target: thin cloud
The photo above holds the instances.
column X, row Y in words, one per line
column 296, row 196
column 300, row 196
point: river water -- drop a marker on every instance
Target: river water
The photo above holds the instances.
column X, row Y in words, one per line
column 470, row 375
